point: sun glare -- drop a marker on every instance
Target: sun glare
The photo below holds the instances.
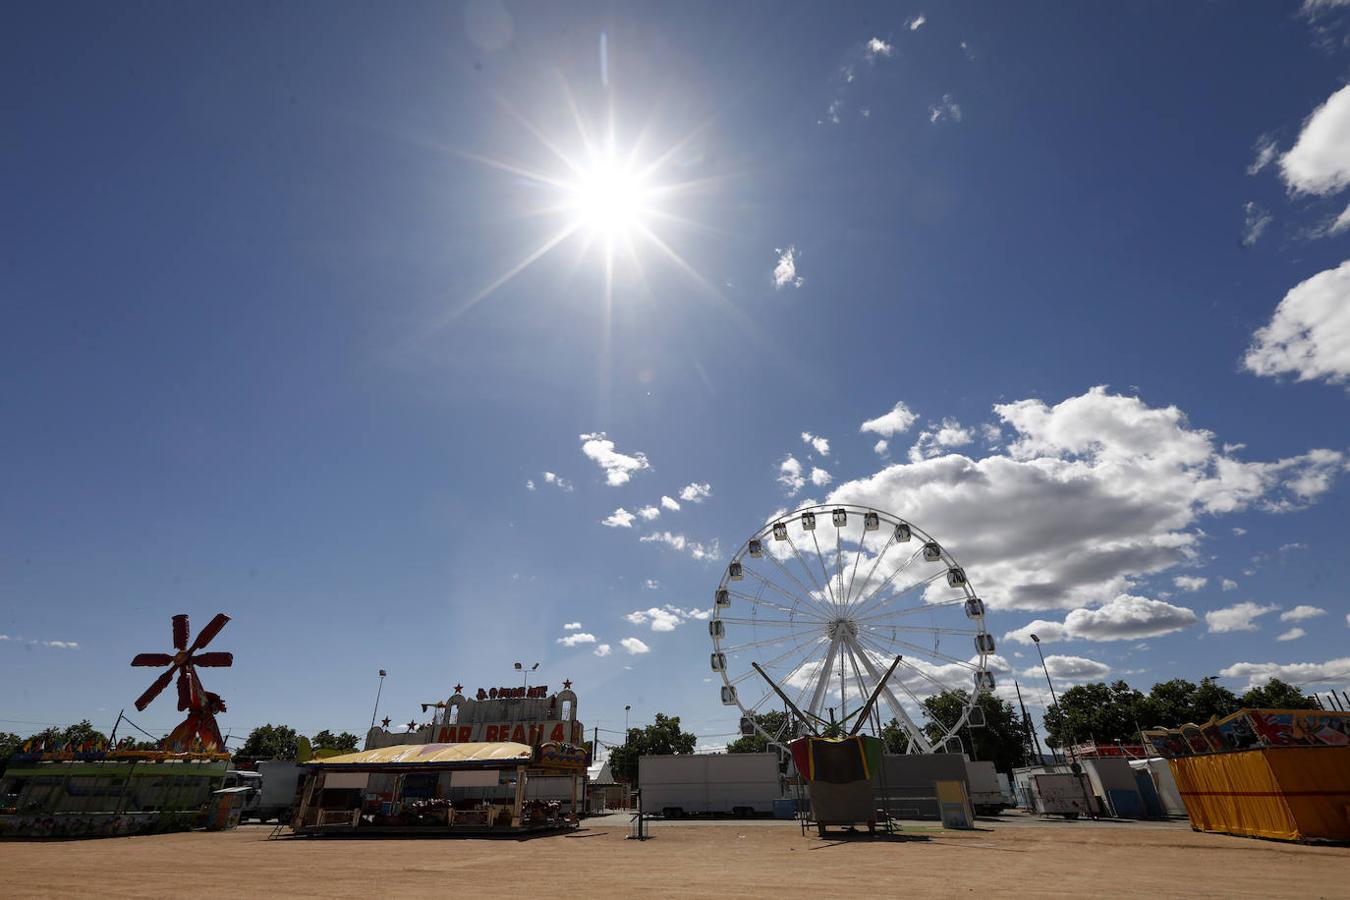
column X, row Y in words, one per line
column 609, row 200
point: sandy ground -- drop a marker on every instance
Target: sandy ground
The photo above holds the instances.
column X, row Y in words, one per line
column 723, row 860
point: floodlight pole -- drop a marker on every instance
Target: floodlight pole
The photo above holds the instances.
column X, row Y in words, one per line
column 1037, row 641
column 376, row 711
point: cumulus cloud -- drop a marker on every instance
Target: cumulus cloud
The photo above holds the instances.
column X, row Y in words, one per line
column 897, row 421
column 557, row 481
column 916, row 23
column 1071, row 668
column 664, row 618
column 572, row 626
column 1292, row 634
column 634, row 646
column 1238, row 617
column 882, row 448
column 876, row 47
column 601, row 650
column 1125, row 617
column 648, row 513
column 1318, row 163
column 820, row 478
column 816, row 442
column 945, row 110
column 1190, row 582
column 682, row 544
column 651, row 584
column 1302, row 613
column 1228, row 584
column 529, row 484
column 670, row 503
column 1255, row 221
column 620, row 518
column 1333, row 672
column 785, row 271
column 1309, row 334
column 695, row 492
column 581, row 637
column 1087, row 497
column 618, row 467
column 790, row 475
column 937, row 438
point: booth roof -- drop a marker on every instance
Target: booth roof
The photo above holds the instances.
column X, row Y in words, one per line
column 466, row 755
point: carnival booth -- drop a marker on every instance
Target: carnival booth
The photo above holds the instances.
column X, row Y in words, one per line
column 1282, row 774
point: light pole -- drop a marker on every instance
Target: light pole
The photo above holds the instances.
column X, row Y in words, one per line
column 520, row 667
column 625, row 723
column 1037, row 641
column 376, row 711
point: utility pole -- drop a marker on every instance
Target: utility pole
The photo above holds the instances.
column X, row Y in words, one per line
column 1037, row 641
column 1031, row 727
column 376, row 711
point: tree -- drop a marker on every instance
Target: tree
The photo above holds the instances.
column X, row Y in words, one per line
column 270, row 742
column 83, row 732
column 1277, row 694
column 9, row 745
column 326, row 740
column 661, row 737
column 770, row 721
column 1176, row 702
column 1096, row 712
column 1002, row 740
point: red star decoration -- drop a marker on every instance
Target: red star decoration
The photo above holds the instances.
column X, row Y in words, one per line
column 567, row 684
column 385, row 722
column 458, row 688
column 412, row 725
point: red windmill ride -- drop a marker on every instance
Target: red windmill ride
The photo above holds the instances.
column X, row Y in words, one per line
column 199, row 728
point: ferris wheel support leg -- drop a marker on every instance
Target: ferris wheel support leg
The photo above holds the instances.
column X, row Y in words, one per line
column 915, row 733
column 818, row 698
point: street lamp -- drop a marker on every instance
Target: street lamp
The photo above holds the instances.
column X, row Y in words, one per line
column 520, row 667
column 625, row 723
column 1037, row 641
column 376, row 711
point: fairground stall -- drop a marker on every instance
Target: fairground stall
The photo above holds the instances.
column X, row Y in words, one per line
column 461, row 788
column 1271, row 773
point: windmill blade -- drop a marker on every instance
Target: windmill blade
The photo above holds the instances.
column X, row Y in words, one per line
column 214, row 659
column 152, row 659
column 180, row 631
column 152, row 692
column 211, row 630
column 185, row 689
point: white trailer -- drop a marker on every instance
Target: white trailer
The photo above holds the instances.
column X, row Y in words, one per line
column 280, row 781
column 986, row 794
column 1062, row 794
column 738, row 784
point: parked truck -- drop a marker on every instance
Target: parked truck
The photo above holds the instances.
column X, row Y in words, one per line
column 280, row 780
column 986, row 793
column 739, row 784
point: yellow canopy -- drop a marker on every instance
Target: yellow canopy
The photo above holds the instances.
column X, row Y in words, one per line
column 467, row 754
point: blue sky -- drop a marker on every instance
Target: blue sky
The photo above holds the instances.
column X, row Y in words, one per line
column 252, row 363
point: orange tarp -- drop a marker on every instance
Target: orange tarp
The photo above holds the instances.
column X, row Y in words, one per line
column 1289, row 793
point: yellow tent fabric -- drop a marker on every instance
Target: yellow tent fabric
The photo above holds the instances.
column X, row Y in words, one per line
column 431, row 754
column 1288, row 793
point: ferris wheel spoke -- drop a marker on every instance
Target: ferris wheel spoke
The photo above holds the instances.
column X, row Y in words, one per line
column 823, row 679
column 890, row 542
column 806, row 592
column 916, row 734
column 805, row 597
column 876, row 592
column 936, row 654
column 824, row 572
column 767, row 623
column 909, row 588
column 764, row 642
column 911, row 610
column 779, row 658
column 853, row 576
column 970, row 632
column 760, row 601
column 839, row 566
column 922, row 673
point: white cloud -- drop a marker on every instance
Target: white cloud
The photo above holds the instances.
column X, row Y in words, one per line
column 1228, row 584
column 1238, row 617
column 651, row 584
column 581, row 637
column 897, row 421
column 785, row 272
column 1071, row 668
column 1123, row 618
column 1087, row 497
column 816, row 442
column 882, row 448
column 790, row 475
column 572, row 626
column 634, row 646
column 968, row 50
column 1302, row 613
column 1332, row 673
column 936, row 438
column 1318, row 162
column 620, row 518
column 559, row 482
column 601, row 650
column 1239, row 531
column 947, row 110
column 1309, row 334
column 695, row 492
column 820, row 478
column 648, row 513
column 1266, row 151
column 1255, row 220
column 1190, row 582
column 684, row 545
column 916, row 23
column 529, row 484
column 875, row 48
column 1292, row 634
column 670, row 503
column 664, row 618
column 55, row 645
column 1338, row 224
column 618, row 467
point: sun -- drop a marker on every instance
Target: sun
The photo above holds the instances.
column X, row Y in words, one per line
column 611, row 200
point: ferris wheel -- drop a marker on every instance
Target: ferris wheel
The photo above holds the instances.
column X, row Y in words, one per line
column 823, row 600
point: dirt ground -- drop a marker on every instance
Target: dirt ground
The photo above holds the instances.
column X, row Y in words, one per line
column 722, row 860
